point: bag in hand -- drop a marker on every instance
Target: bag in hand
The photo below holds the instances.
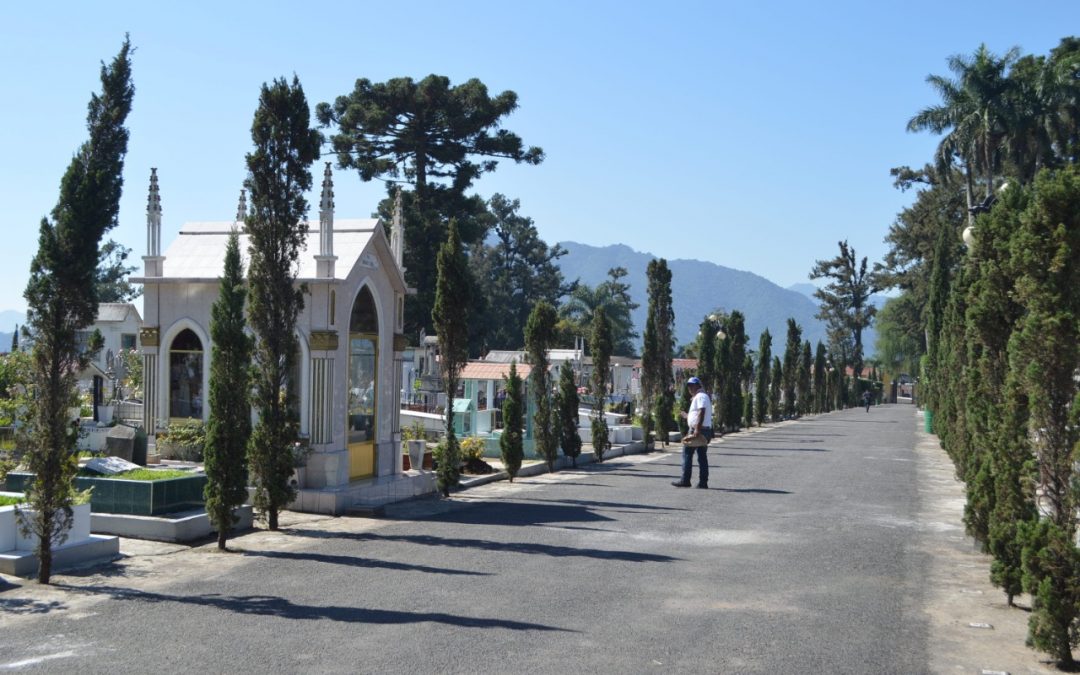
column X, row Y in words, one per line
column 697, row 441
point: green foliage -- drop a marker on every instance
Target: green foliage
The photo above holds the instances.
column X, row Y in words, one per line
column 761, row 389
column 736, row 377
column 803, row 391
column 183, row 440
column 899, row 336
column 1052, row 576
column 845, row 300
column 451, row 318
column 472, row 449
column 131, row 367
column 425, row 132
column 62, row 299
column 513, row 275
column 279, row 176
column 613, row 296
column 141, row 474
column 414, row 432
column 511, row 442
column 657, row 378
column 539, row 338
column 776, row 413
column 16, row 381
column 229, row 428
column 113, row 272
column 790, row 374
column 569, row 404
column 11, row 501
column 600, row 345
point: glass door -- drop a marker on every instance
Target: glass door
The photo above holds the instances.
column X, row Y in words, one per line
column 363, row 383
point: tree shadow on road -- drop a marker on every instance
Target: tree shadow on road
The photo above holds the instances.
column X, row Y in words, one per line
column 269, row 605
column 22, row 606
column 604, row 505
column 767, row 449
column 352, row 561
column 528, row 548
column 756, row 491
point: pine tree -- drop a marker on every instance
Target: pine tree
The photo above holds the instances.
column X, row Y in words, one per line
column 761, row 391
column 569, row 403
column 600, row 344
column 451, row 319
column 539, row 337
column 511, row 442
column 229, row 428
column 279, row 175
column 61, row 299
column 15, row 339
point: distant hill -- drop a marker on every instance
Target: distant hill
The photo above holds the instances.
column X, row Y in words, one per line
column 697, row 288
column 5, row 341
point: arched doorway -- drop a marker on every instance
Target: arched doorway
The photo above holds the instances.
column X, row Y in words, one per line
column 186, row 376
column 363, row 385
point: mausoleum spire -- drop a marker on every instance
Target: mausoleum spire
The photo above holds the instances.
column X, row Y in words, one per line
column 324, row 261
column 326, row 214
column 241, row 208
column 153, row 217
column 397, row 234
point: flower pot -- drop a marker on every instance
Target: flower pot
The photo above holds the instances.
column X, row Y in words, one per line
column 416, row 453
column 105, row 414
column 405, row 462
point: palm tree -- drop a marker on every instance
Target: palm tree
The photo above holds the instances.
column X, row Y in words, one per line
column 974, row 112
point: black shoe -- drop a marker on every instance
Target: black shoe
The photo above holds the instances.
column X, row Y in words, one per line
column 703, row 486
column 681, row 483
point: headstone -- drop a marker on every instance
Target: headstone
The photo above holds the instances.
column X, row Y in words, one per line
column 109, row 466
column 121, row 442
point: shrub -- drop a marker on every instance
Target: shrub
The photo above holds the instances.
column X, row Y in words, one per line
column 183, row 441
column 414, row 432
column 472, row 448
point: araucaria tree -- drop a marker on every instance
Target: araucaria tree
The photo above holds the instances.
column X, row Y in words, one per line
column 437, row 136
column 61, row 297
column 845, row 301
column 659, row 344
column 229, row 428
column 451, row 318
column 569, row 403
column 279, row 175
column 511, row 442
column 539, row 337
column 600, row 343
column 761, row 388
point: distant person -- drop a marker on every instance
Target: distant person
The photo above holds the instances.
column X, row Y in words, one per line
column 700, row 432
column 866, row 398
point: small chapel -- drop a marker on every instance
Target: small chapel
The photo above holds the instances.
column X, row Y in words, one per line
column 349, row 368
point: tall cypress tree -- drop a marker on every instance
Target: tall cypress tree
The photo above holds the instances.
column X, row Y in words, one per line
column 229, row 428
column 600, row 344
column 511, row 442
column 776, row 413
column 279, row 175
column 569, row 403
column 451, row 319
column 539, row 337
column 790, row 373
column 764, row 363
column 802, row 383
column 735, row 330
column 659, row 347
column 62, row 299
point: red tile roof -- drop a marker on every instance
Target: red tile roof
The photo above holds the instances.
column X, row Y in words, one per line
column 481, row 370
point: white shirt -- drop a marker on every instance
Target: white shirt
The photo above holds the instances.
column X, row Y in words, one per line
column 700, row 405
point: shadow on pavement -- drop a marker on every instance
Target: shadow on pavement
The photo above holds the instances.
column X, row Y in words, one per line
column 351, row 561
column 756, row 491
column 268, row 605
column 494, row 546
column 608, row 505
column 767, row 449
column 21, row 606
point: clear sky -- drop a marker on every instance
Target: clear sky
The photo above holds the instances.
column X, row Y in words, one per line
column 754, row 135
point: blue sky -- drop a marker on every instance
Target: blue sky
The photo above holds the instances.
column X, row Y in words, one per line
column 752, row 135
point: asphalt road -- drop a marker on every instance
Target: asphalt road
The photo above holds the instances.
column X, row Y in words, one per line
column 800, row 559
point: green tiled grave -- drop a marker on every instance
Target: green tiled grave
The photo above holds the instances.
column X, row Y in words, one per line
column 136, row 497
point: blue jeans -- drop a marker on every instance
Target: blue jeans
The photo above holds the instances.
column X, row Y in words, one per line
column 703, row 462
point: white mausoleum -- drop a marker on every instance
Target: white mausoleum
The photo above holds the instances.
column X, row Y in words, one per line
column 350, row 336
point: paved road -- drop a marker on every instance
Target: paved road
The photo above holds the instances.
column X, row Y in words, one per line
column 800, row 559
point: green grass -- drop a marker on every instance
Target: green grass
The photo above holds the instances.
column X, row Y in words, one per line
column 8, row 501
column 141, row 474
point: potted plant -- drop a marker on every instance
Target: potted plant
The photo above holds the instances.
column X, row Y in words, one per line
column 301, row 450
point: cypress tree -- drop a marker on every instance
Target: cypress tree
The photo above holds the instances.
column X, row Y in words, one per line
column 748, row 409
column 451, row 319
column 511, row 443
column 706, row 370
column 802, row 381
column 724, row 375
column 229, row 427
column 600, row 344
column 761, row 391
column 775, row 411
column 790, row 372
column 736, row 335
column 659, row 346
column 539, row 337
column 279, row 175
column 62, row 299
column 568, row 403
column 821, row 396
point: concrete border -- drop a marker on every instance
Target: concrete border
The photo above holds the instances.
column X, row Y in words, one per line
column 95, row 549
column 180, row 527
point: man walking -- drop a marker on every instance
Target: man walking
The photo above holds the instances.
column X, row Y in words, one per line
column 699, row 419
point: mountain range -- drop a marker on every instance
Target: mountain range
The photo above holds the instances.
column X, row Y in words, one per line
column 698, row 288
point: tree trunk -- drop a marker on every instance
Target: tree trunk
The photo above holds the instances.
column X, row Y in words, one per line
column 221, row 537
column 272, row 518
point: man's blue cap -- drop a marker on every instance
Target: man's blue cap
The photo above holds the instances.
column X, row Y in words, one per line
column 694, row 380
